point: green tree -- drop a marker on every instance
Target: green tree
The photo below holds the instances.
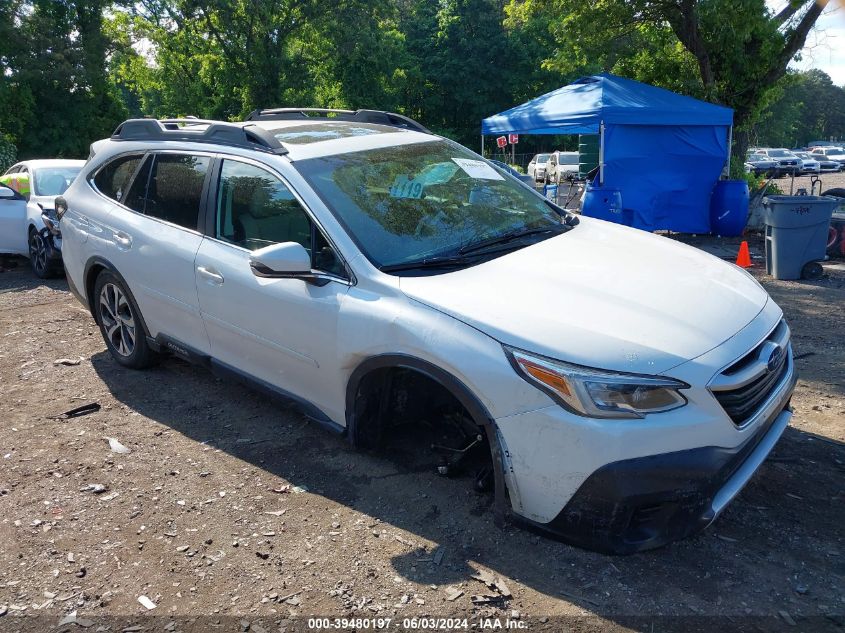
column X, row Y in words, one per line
column 739, row 50
column 53, row 72
column 810, row 108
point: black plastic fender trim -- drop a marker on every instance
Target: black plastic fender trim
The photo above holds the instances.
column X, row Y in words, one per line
column 100, row 261
column 458, row 389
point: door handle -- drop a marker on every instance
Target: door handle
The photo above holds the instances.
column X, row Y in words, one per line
column 210, row 275
column 123, row 240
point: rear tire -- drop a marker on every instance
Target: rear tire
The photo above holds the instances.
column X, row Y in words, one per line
column 39, row 259
column 121, row 323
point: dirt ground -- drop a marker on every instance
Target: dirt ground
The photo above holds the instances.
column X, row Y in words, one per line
column 826, row 181
column 233, row 513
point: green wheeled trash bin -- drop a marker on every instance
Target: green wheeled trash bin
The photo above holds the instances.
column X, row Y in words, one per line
column 796, row 234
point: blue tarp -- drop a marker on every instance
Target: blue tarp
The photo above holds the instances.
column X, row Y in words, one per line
column 662, row 150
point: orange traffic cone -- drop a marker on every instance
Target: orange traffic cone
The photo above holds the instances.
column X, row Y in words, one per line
column 743, row 258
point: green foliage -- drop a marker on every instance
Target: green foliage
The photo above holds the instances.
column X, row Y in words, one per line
column 8, row 153
column 807, row 107
column 724, row 51
column 71, row 70
column 55, row 98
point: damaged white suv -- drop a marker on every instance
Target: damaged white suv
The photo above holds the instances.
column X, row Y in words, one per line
column 614, row 387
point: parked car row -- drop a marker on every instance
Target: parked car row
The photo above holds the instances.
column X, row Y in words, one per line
column 779, row 161
column 28, row 224
column 829, row 155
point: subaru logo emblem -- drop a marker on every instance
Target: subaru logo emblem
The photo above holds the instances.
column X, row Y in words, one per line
column 775, row 359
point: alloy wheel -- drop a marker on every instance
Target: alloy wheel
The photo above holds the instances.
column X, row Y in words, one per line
column 117, row 319
column 38, row 252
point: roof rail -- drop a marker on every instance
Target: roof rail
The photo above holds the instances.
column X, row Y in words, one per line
column 199, row 131
column 379, row 117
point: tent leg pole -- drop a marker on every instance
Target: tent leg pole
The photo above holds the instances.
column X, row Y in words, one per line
column 601, row 154
column 730, row 147
column 482, row 146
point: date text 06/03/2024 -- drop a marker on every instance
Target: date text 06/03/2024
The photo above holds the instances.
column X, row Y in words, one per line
column 415, row 624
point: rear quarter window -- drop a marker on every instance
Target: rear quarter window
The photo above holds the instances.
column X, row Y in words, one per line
column 174, row 189
column 112, row 180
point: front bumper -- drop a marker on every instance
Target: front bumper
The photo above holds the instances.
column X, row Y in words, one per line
column 53, row 244
column 642, row 503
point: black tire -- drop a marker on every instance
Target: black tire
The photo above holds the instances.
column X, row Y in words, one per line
column 812, row 271
column 838, row 192
column 39, row 257
column 121, row 323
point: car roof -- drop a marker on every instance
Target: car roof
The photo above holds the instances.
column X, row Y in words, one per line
column 298, row 139
column 50, row 162
column 326, row 137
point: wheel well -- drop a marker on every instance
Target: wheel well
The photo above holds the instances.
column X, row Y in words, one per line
column 425, row 419
column 393, row 395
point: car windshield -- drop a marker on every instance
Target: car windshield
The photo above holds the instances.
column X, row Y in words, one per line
column 541, row 158
column 414, row 202
column 780, row 153
column 53, row 181
column 569, row 159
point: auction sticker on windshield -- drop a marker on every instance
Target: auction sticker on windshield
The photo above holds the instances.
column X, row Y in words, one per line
column 404, row 187
column 478, row 169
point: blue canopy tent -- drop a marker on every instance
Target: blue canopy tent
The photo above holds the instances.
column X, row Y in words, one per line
column 664, row 152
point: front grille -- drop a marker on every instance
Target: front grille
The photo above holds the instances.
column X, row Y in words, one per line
column 741, row 403
column 744, row 386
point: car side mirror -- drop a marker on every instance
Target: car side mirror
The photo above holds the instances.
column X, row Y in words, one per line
column 7, row 193
column 286, row 260
column 60, row 204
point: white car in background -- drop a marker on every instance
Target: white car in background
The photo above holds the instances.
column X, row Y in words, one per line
column 830, row 153
column 394, row 282
column 809, row 165
column 537, row 167
column 30, row 190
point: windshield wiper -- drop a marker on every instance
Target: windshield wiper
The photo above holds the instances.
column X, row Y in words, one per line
column 441, row 261
column 510, row 236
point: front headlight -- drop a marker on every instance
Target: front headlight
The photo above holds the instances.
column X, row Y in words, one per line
column 595, row 393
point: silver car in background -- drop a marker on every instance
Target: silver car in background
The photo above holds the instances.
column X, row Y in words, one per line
column 809, row 165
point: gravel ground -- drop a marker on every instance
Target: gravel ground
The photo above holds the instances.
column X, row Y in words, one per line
column 828, row 181
column 230, row 512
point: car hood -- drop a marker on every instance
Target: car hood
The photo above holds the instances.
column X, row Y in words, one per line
column 601, row 295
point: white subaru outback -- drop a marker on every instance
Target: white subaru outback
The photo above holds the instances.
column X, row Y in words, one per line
column 622, row 387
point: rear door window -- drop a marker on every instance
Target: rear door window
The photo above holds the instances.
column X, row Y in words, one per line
column 174, row 188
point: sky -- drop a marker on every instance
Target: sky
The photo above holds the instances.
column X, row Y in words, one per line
column 825, row 47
